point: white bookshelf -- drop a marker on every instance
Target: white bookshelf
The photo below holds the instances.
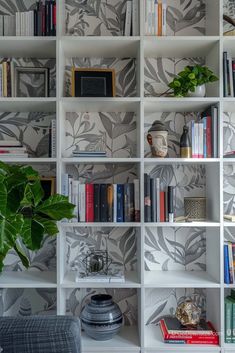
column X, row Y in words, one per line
column 142, row 338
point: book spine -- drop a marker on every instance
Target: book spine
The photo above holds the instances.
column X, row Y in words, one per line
column 8, row 79
column 103, row 203
column 129, row 214
column 225, row 74
column 4, row 67
column 214, row 110
column 164, row 8
column 226, row 264
column 228, row 320
column 110, row 202
column 51, row 18
column 159, row 17
column 230, row 75
column 65, row 184
column 1, row 26
column 120, row 203
column 54, row 18
column 209, row 136
column 166, row 207
column 35, row 27
column 114, row 202
column 53, row 138
column 156, row 17
column 200, row 140
column 193, row 140
column 233, row 321
column 70, row 188
column 147, row 199
column 82, row 203
column 162, row 206
column 47, row 18
column 153, row 200
column 96, row 202
column 128, row 18
column 230, row 261
column 170, row 203
column 43, row 7
column 149, row 17
column 204, row 137
column 75, row 192
column 89, row 202
column 153, row 29
column 137, row 199
column 233, row 70
column 158, row 198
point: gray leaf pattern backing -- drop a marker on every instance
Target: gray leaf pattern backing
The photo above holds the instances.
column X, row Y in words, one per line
column 114, row 133
column 32, row 130
column 158, row 72
column 229, row 234
column 229, row 189
column 229, row 9
column 25, row 302
column 229, row 132
column 119, row 242
column 32, row 84
column 162, row 302
column 174, row 123
column 125, row 72
column 125, row 298
column 189, row 181
column 175, row 249
column 9, row 7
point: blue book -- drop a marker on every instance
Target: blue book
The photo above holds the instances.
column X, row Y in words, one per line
column 226, row 265
column 120, row 203
column 204, row 137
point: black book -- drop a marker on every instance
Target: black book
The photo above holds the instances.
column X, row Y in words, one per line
column 35, row 29
column 173, row 325
column 47, row 18
column 147, row 199
column 225, row 73
column 153, row 196
column 96, row 202
column 103, row 203
column 170, row 201
column 129, row 206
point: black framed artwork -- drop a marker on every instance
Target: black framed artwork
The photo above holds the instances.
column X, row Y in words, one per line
column 93, row 82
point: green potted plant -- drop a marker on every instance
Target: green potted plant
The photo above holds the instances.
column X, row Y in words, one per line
column 191, row 81
column 25, row 217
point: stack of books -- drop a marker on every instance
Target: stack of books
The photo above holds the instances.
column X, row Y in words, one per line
column 132, row 18
column 89, row 154
column 229, row 262
column 229, row 318
column 204, row 134
column 115, row 275
column 155, row 17
column 158, row 203
column 228, row 75
column 174, row 332
column 12, row 148
column 103, row 202
column 38, row 22
column 52, row 139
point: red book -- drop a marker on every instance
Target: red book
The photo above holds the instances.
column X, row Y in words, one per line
column 162, row 206
column 209, row 136
column 54, row 19
column 90, row 203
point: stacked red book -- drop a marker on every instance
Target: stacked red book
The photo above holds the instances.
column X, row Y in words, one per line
column 174, row 332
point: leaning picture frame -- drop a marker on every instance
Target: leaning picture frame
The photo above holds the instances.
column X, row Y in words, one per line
column 93, row 82
column 49, row 186
column 35, row 77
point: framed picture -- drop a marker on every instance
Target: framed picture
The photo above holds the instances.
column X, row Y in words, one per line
column 31, row 81
column 49, row 186
column 93, row 82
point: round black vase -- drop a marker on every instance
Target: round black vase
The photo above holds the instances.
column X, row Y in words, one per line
column 101, row 318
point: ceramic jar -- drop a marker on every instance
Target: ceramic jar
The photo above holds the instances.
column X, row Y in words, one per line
column 200, row 91
column 101, row 318
column 157, row 139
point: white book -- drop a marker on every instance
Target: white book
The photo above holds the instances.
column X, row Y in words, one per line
column 82, row 202
column 164, row 7
column 200, row 140
column 31, row 24
column 230, row 73
column 135, row 18
column 0, row 80
column 156, row 17
column 114, row 202
column 148, row 16
column 5, row 24
column 22, row 23
column 17, row 24
column 12, row 143
column 127, row 31
column 137, row 199
column 158, row 198
column 75, row 193
column 65, row 184
column 153, row 29
column 1, row 26
column 70, row 188
column 53, row 138
column 196, row 139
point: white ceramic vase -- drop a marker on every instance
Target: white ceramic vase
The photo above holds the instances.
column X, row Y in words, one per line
column 200, row 91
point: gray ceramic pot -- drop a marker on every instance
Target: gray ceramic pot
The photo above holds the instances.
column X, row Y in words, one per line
column 101, row 318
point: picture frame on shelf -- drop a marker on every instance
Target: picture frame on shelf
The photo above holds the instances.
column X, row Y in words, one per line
column 38, row 76
column 49, row 186
column 93, row 82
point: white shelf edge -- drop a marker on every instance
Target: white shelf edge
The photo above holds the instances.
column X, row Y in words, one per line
column 99, row 224
column 104, row 160
column 180, row 160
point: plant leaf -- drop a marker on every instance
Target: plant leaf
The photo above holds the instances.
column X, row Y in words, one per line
column 56, row 207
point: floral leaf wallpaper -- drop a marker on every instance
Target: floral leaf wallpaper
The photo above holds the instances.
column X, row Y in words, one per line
column 229, row 189
column 174, row 123
column 159, row 72
column 162, row 302
column 31, row 129
column 25, row 302
column 229, row 234
column 189, row 181
column 125, row 71
column 114, row 133
column 32, row 84
column 9, row 7
column 125, row 298
column 175, row 249
column 119, row 242
column 229, row 10
column 229, row 132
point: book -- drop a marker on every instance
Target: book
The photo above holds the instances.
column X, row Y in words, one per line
column 135, row 18
column 75, row 193
column 89, row 188
column 159, row 17
column 164, row 10
column 230, row 218
column 129, row 213
column 110, row 202
column 148, row 17
column 162, row 206
column 137, row 199
column 158, row 198
column 230, row 261
column 114, row 202
column 226, row 265
column 120, row 203
column 53, row 138
column 65, row 184
column 228, row 320
column 147, row 199
column 156, row 18
column 103, row 203
column 225, row 74
column 127, row 31
column 153, row 196
column 82, row 203
column 232, row 300
column 170, row 203
column 96, row 202
column 200, row 140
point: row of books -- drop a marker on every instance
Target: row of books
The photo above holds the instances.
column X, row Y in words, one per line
column 132, row 18
column 103, row 202
column 12, row 148
column 204, row 134
column 158, row 204
column 229, row 318
column 173, row 332
column 38, row 22
column 89, row 154
column 155, row 17
column 228, row 75
column 229, row 262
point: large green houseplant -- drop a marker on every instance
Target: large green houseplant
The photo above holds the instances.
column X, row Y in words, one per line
column 24, row 216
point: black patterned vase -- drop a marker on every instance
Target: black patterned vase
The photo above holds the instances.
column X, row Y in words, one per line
column 101, row 318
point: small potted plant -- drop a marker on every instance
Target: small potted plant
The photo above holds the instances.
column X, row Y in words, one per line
column 25, row 217
column 191, row 81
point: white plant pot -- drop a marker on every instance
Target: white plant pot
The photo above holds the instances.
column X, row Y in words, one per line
column 200, row 91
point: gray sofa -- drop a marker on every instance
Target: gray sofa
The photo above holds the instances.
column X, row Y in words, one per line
column 40, row 334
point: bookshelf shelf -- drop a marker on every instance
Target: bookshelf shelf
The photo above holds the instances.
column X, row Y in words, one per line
column 99, row 224
column 182, row 224
column 28, row 279
column 43, row 47
column 181, row 160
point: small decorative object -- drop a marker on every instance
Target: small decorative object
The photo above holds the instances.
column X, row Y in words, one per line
column 188, row 313
column 186, row 82
column 97, row 262
column 231, row 21
column 101, row 318
column 93, row 82
column 185, row 144
column 34, row 76
column 195, row 208
column 157, row 139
